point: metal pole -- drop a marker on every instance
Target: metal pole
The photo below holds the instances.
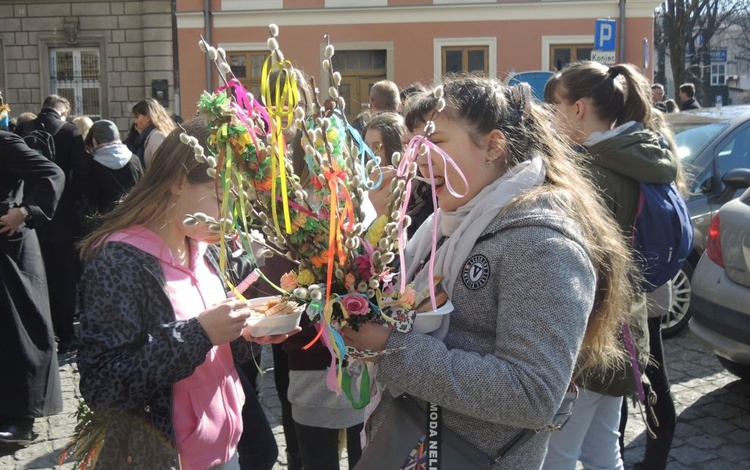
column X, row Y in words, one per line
column 621, row 58
column 207, row 36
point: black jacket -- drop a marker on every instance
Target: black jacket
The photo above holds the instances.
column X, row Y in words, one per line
column 71, row 157
column 107, row 186
column 690, row 103
column 31, row 385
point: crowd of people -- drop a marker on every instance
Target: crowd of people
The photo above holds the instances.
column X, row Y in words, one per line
column 95, row 230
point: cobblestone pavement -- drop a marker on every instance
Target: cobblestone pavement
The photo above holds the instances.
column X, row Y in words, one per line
column 713, row 425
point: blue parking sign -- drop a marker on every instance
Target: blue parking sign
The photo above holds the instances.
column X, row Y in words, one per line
column 605, row 35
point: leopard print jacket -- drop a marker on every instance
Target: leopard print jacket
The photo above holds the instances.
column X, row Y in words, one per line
column 133, row 351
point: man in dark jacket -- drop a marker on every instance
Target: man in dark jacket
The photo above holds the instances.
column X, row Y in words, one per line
column 114, row 168
column 30, row 187
column 57, row 239
column 687, row 97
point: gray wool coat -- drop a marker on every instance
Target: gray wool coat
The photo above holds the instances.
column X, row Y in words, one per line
column 514, row 335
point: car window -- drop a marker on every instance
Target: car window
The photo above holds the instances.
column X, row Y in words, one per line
column 735, row 152
column 691, row 141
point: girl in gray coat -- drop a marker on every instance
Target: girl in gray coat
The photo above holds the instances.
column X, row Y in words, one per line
column 534, row 267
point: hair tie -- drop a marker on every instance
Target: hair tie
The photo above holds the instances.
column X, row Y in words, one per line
column 518, row 95
column 612, row 73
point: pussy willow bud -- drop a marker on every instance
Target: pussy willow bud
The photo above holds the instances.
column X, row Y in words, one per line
column 212, row 54
column 337, row 78
column 333, row 92
column 440, row 106
column 438, row 92
column 300, row 293
column 396, row 158
column 222, row 52
column 189, row 221
column 211, row 172
column 388, row 258
column 211, row 160
column 202, row 46
column 299, row 113
column 273, row 29
column 214, row 228
column 373, row 283
column 342, row 103
column 273, row 44
column 185, row 139
column 362, row 287
column 327, row 65
column 329, row 51
column 429, row 128
column 224, row 68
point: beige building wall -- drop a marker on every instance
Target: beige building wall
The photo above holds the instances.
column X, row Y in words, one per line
column 133, row 39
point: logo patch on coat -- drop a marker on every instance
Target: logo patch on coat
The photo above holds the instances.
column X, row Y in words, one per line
column 476, row 272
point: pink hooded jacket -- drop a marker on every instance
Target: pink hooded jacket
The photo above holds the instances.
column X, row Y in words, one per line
column 207, row 406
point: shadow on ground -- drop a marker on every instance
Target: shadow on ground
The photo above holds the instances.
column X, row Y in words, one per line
column 713, row 431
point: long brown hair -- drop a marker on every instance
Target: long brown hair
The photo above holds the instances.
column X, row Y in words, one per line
column 160, row 119
column 391, row 127
column 150, row 198
column 485, row 104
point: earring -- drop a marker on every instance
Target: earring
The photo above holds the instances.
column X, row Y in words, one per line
column 489, row 163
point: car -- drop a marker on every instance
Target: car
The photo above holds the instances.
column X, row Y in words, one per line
column 721, row 285
column 710, row 143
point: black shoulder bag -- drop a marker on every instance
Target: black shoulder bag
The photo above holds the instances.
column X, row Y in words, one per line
column 412, row 438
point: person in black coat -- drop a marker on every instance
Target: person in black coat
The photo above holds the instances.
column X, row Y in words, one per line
column 114, row 168
column 30, row 188
column 58, row 238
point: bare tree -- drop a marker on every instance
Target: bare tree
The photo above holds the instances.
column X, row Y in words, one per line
column 688, row 28
column 713, row 20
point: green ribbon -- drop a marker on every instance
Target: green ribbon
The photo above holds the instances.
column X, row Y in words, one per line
column 364, row 391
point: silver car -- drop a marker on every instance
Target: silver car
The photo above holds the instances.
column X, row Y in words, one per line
column 710, row 142
column 721, row 286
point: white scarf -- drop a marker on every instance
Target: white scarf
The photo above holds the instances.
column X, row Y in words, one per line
column 464, row 226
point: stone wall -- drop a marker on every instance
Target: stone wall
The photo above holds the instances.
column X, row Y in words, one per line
column 134, row 38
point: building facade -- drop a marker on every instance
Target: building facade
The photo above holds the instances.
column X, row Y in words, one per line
column 404, row 41
column 104, row 56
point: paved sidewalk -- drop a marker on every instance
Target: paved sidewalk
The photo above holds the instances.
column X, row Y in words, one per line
column 713, row 425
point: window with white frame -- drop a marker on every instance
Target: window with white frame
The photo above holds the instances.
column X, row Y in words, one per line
column 75, row 73
column 247, row 67
column 719, row 74
column 465, row 55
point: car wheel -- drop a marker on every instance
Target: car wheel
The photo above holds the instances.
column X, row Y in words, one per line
column 740, row 370
column 677, row 318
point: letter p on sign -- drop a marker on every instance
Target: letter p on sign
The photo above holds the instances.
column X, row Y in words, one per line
column 605, row 35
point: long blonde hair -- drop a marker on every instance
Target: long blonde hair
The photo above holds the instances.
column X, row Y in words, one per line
column 485, row 104
column 149, row 200
column 159, row 117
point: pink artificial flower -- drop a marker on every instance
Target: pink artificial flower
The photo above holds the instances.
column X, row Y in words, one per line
column 356, row 304
column 289, row 281
column 363, row 264
column 408, row 296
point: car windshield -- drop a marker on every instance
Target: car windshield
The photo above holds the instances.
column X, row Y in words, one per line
column 691, row 141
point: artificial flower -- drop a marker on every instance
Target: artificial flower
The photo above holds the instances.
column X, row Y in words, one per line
column 355, row 304
column 289, row 281
column 350, row 282
column 305, row 277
